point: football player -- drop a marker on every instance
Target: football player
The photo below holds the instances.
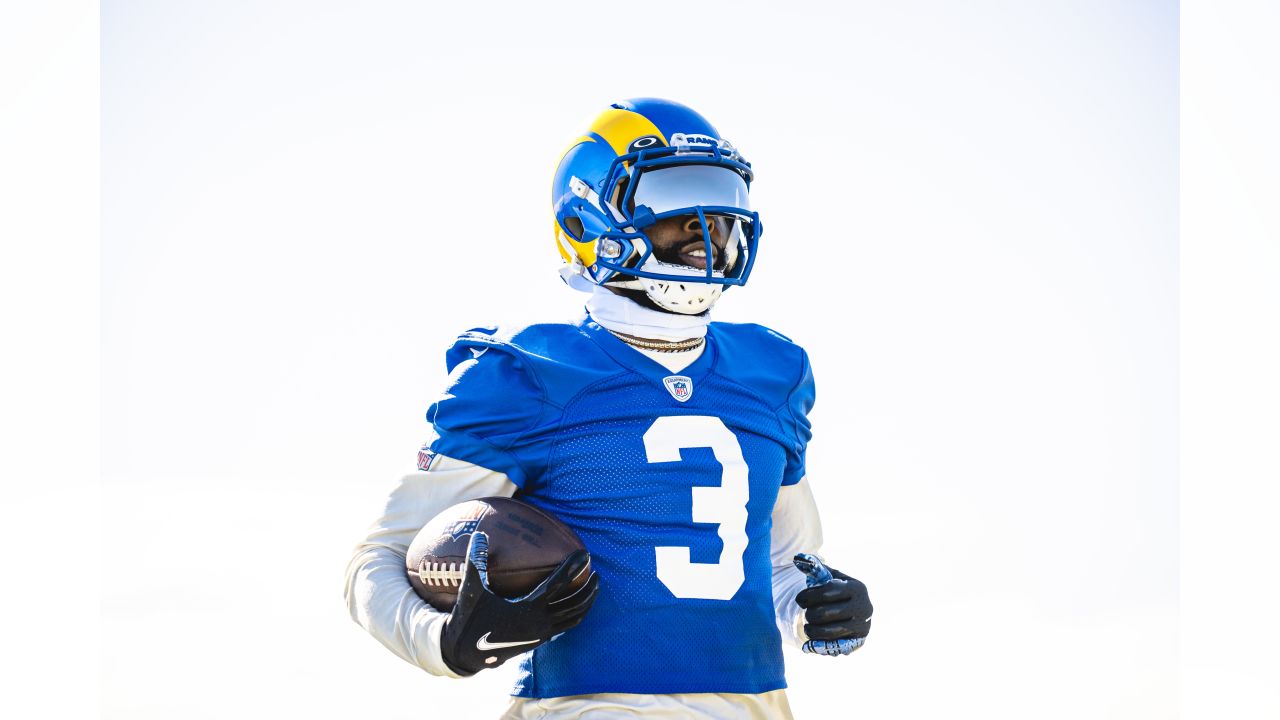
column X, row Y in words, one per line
column 674, row 446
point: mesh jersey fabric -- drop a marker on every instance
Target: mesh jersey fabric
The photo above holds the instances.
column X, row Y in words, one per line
column 567, row 412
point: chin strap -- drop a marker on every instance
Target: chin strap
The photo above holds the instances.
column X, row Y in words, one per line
column 575, row 277
column 621, row 315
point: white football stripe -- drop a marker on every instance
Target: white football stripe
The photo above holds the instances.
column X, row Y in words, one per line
column 448, row 574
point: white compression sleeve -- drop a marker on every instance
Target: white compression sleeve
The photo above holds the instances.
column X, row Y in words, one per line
column 796, row 528
column 378, row 592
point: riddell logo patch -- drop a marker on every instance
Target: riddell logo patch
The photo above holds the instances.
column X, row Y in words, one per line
column 680, row 387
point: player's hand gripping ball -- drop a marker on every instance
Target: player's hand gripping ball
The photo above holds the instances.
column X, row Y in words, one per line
column 511, row 577
column 837, row 608
column 485, row 629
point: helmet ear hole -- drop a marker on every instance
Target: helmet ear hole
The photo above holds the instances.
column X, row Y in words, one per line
column 574, row 226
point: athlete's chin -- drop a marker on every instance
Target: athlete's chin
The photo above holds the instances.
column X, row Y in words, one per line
column 683, row 312
column 642, row 299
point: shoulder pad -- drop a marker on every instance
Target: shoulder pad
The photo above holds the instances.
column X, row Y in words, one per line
column 765, row 361
column 559, row 356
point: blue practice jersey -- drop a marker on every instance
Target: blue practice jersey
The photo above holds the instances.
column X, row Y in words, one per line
column 669, row 479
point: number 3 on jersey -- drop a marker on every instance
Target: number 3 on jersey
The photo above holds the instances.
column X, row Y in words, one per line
column 726, row 505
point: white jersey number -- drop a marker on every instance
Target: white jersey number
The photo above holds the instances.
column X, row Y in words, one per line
column 726, row 505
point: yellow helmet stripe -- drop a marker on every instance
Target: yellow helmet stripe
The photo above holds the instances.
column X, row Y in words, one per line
column 562, row 244
column 565, row 243
column 620, row 127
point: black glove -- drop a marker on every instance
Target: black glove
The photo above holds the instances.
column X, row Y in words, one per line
column 485, row 630
column 837, row 608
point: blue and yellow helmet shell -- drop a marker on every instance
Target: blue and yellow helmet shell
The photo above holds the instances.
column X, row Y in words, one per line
column 592, row 192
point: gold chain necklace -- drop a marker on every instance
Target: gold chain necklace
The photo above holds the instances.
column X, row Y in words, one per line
column 659, row 345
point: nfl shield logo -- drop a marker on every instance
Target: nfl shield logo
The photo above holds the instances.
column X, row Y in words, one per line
column 680, row 387
column 461, row 527
column 425, row 456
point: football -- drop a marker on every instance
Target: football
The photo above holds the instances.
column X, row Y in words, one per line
column 525, row 546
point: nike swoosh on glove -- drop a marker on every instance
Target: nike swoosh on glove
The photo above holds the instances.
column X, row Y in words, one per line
column 485, row 630
column 837, row 608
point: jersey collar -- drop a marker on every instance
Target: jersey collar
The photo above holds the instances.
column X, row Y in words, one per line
column 642, row 364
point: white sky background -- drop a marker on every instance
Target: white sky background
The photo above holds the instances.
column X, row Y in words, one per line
column 971, row 224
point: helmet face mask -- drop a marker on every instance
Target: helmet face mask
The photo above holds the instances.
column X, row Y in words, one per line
column 680, row 287
column 680, row 240
column 604, row 217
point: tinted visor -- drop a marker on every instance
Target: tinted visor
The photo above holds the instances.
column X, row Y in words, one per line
column 685, row 186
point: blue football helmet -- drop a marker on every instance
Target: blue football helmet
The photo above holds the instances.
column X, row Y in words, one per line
column 643, row 161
